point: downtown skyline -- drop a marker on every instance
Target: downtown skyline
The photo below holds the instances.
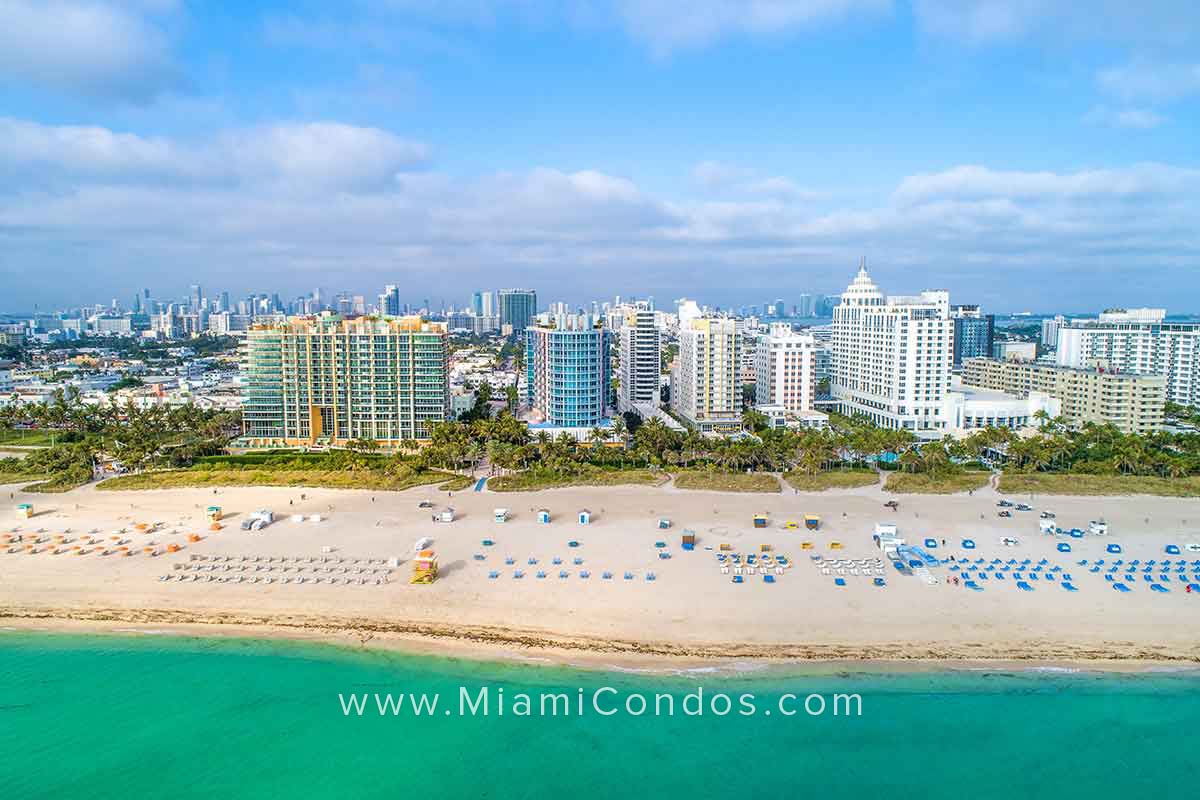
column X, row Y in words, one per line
column 750, row 152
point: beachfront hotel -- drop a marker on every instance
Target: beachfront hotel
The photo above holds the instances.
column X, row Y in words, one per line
column 640, row 362
column 785, row 369
column 706, row 392
column 1131, row 402
column 567, row 371
column 1137, row 340
column 892, row 357
column 327, row 380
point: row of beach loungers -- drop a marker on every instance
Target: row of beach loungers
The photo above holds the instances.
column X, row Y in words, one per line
column 332, row 570
column 565, row 574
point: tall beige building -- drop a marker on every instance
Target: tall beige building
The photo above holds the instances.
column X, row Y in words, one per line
column 705, row 389
column 327, row 380
column 1131, row 402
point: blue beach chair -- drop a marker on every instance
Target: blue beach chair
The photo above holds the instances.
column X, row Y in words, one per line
column 1069, row 586
column 839, row 581
column 1024, row 587
column 1158, row 587
column 973, row 586
column 1120, row 587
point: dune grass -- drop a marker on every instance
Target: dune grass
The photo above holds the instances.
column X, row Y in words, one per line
column 374, row 479
column 536, row 479
column 923, row 483
column 1110, row 485
column 831, row 479
column 701, row 480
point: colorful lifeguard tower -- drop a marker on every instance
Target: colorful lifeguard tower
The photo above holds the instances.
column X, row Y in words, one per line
column 585, row 517
column 760, row 520
column 425, row 568
column 213, row 513
column 24, row 510
column 544, row 516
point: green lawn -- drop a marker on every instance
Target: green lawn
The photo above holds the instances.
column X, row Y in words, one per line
column 39, row 437
column 315, row 478
column 727, row 481
column 921, row 483
column 1071, row 483
column 833, row 479
column 533, row 480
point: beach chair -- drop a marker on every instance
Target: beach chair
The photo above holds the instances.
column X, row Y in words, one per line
column 650, row 576
column 518, row 575
column 509, row 561
column 1158, row 587
column 1108, row 578
column 577, row 561
column 607, row 576
column 541, row 573
column 562, row 573
column 1069, row 586
column 1024, row 587
column 585, row 574
column 879, row 582
column 724, row 570
column 839, row 581
column 768, row 578
column 479, row 556
column 556, row 561
column 494, row 574
column 738, row 579
column 628, row 576
column 1120, row 587
column 973, row 586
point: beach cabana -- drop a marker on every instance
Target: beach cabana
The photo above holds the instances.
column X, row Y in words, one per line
column 24, row 510
column 500, row 514
column 760, row 520
column 1063, row 547
column 689, row 540
column 931, row 543
column 544, row 516
column 585, row 517
column 664, row 524
column 968, row 544
column 1113, row 548
column 812, row 522
column 1172, row 549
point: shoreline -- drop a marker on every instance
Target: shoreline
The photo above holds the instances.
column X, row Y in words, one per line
column 545, row 648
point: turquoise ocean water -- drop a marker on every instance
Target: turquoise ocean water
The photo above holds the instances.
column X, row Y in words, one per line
column 172, row 717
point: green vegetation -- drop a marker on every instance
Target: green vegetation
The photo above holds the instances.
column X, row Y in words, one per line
column 939, row 483
column 310, row 478
column 831, row 479
column 1113, row 485
column 536, row 478
column 713, row 481
column 338, row 469
column 75, row 438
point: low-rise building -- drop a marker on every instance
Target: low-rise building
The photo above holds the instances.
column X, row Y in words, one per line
column 1132, row 402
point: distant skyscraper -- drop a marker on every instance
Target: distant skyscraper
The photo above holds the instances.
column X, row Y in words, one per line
column 1050, row 331
column 517, row 308
column 974, row 333
column 223, row 303
column 477, row 304
column 389, row 301
column 196, row 297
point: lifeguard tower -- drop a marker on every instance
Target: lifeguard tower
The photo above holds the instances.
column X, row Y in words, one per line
column 425, row 568
column 544, row 516
column 24, row 511
column 760, row 520
column 213, row 513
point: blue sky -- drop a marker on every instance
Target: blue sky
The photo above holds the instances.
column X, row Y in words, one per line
column 730, row 151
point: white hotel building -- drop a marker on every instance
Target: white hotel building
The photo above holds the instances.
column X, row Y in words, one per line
column 639, row 374
column 705, row 390
column 785, row 369
column 892, row 357
column 1137, row 340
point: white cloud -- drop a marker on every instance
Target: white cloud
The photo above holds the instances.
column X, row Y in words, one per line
column 1147, row 82
column 290, row 206
column 317, row 153
column 96, row 48
column 1137, row 118
column 668, row 25
column 1157, row 22
column 733, row 179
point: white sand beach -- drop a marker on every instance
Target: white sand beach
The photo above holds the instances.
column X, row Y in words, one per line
column 690, row 611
